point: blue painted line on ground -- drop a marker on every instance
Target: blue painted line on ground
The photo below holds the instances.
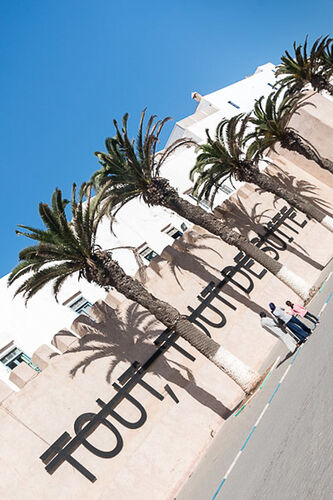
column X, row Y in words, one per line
column 276, row 389
column 262, row 385
column 325, row 282
column 248, row 437
column 298, row 350
column 329, row 297
column 242, row 408
column 218, row 489
column 265, row 379
column 254, row 427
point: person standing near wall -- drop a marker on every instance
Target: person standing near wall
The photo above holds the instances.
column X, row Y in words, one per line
column 302, row 312
column 272, row 326
column 294, row 324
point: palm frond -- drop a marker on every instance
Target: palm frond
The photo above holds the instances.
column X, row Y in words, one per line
column 64, row 246
column 130, row 166
column 224, row 157
column 304, row 66
column 163, row 156
column 271, row 119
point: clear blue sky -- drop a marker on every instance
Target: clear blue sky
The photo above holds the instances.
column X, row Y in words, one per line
column 69, row 67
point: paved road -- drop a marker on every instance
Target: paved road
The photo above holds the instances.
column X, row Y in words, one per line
column 289, row 455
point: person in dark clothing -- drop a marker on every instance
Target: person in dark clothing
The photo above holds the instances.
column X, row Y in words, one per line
column 299, row 329
column 302, row 312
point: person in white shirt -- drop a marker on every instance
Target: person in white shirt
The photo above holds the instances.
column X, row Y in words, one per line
column 272, row 326
column 294, row 324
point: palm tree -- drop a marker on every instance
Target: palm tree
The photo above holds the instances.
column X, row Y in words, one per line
column 327, row 60
column 227, row 157
column 271, row 120
column 134, row 171
column 67, row 247
column 303, row 68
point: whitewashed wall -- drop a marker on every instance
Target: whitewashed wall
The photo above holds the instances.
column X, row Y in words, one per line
column 29, row 327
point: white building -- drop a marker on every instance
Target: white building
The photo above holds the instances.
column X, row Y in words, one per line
column 24, row 329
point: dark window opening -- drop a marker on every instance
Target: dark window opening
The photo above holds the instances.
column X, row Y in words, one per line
column 148, row 253
column 15, row 357
column 80, row 305
column 174, row 233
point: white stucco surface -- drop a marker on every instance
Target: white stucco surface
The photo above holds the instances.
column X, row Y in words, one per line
column 135, row 225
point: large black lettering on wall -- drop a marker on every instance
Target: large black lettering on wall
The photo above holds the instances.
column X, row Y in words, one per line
column 242, row 276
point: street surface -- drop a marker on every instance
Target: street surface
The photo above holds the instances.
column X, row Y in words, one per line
column 289, row 453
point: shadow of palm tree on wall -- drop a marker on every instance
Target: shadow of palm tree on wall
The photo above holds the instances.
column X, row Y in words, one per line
column 128, row 338
column 183, row 261
column 304, row 188
column 189, row 262
column 247, row 220
column 252, row 220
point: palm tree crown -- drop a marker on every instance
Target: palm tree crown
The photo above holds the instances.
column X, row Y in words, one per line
column 63, row 247
column 134, row 166
column 224, row 157
column 229, row 157
column 271, row 120
column 305, row 67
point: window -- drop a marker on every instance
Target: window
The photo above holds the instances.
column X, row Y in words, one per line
column 172, row 232
column 15, row 357
column 147, row 253
column 234, row 105
column 80, row 305
column 203, row 202
column 226, row 189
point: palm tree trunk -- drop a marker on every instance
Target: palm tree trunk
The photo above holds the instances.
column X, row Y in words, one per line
column 107, row 272
column 268, row 183
column 197, row 215
column 294, row 142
